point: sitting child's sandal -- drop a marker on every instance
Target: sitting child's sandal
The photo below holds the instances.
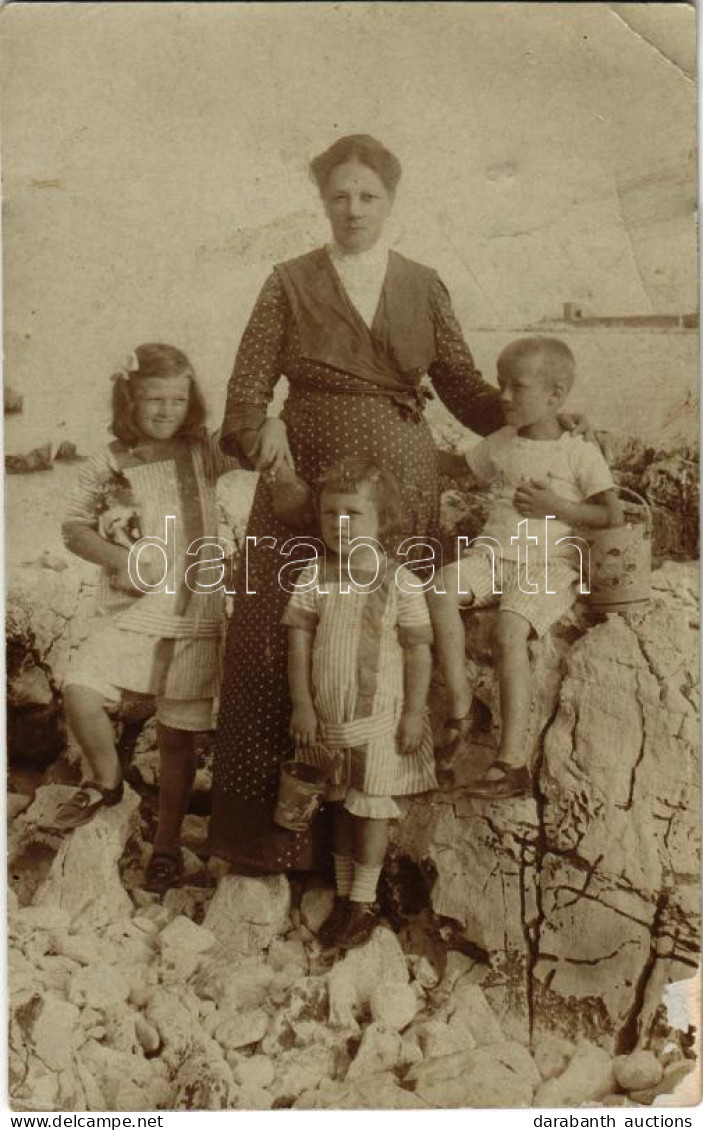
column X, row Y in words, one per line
column 82, row 806
column 163, row 872
column 514, row 781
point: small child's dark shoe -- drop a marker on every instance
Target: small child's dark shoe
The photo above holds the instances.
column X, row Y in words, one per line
column 163, row 871
column 363, row 919
column 334, row 923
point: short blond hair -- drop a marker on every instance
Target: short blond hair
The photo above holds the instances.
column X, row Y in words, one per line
column 558, row 364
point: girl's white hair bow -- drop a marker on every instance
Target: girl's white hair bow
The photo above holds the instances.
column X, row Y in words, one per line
column 129, row 364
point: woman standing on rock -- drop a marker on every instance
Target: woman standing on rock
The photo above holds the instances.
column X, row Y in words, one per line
column 354, row 327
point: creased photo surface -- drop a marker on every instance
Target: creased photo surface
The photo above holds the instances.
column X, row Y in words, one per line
column 351, row 574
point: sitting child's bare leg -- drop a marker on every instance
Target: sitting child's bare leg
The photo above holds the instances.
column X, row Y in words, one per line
column 450, row 649
column 92, row 727
column 509, row 776
column 450, row 652
column 515, row 681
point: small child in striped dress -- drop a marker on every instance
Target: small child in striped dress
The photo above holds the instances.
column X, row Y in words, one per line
column 164, row 643
column 359, row 671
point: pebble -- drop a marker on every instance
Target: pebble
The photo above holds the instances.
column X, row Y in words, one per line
column 315, row 907
column 394, row 1006
column 552, row 1054
column 255, row 1072
column 638, row 1071
column 425, row 973
column 147, row 1035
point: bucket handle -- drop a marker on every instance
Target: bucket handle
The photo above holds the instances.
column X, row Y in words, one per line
column 642, row 501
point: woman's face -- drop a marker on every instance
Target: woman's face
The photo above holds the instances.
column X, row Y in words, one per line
column 357, row 204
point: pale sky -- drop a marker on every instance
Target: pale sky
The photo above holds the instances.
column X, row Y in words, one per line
column 155, row 161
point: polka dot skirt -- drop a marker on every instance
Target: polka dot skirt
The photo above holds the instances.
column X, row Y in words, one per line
column 323, row 425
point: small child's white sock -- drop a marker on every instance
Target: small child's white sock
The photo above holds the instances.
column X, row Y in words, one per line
column 365, row 883
column 343, row 874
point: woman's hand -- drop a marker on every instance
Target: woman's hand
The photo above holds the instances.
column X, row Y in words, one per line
column 577, row 424
column 272, row 453
column 410, row 731
column 303, row 725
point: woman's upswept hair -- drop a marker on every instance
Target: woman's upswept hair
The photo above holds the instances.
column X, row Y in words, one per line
column 357, row 147
column 154, row 360
column 350, row 475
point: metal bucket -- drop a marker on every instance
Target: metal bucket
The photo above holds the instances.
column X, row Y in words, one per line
column 621, row 561
column 301, row 788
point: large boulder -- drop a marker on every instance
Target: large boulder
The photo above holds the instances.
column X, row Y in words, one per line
column 500, row 1075
column 200, row 1077
column 246, row 914
column 582, row 897
column 353, row 980
column 588, row 1078
column 83, row 879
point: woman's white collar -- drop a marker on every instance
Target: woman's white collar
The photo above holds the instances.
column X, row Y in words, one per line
column 376, row 255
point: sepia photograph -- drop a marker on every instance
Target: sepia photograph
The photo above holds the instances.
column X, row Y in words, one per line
column 351, row 451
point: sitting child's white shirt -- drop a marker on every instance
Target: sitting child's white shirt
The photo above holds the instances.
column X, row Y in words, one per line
column 570, row 466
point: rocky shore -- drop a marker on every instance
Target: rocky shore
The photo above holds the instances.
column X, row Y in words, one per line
column 527, row 945
column 219, row 997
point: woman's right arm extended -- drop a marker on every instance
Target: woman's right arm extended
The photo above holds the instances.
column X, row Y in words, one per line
column 259, row 443
column 458, row 382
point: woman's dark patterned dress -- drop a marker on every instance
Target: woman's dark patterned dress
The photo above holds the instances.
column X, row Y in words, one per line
column 329, row 414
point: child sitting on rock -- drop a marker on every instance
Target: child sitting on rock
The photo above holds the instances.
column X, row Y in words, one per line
column 164, row 643
column 544, row 481
column 359, row 670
